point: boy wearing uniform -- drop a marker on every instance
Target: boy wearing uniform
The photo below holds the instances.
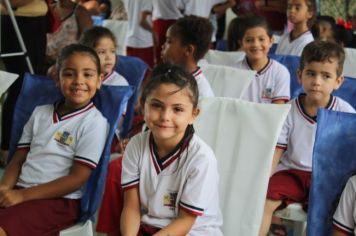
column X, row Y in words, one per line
column 320, row 73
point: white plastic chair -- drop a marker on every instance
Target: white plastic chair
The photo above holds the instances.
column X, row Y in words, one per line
column 243, row 136
column 223, row 58
column 349, row 64
column 119, row 28
column 228, row 81
column 80, row 229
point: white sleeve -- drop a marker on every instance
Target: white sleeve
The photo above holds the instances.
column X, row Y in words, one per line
column 282, row 142
column 91, row 141
column 146, row 5
column 201, row 185
column 130, row 175
column 27, row 133
column 343, row 217
column 282, row 84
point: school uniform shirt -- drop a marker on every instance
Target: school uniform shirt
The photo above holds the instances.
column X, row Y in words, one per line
column 298, row 134
column 166, row 9
column 271, row 83
column 203, row 84
column 295, row 47
column 345, row 215
column 115, row 79
column 55, row 142
column 186, row 178
column 137, row 36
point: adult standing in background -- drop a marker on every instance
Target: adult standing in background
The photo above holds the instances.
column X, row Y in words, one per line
column 33, row 24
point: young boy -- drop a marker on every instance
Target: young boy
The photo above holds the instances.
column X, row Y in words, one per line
column 320, row 73
column 187, row 42
column 60, row 145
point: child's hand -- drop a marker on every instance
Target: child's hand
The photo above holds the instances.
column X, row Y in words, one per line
column 10, row 197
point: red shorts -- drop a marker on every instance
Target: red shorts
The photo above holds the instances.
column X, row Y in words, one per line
column 290, row 186
column 146, row 54
column 112, row 202
column 40, row 217
column 160, row 28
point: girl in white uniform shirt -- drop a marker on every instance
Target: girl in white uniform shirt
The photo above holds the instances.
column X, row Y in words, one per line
column 103, row 41
column 272, row 81
column 187, row 42
column 301, row 14
column 169, row 174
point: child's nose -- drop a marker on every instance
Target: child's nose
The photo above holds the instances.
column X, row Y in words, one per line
column 165, row 114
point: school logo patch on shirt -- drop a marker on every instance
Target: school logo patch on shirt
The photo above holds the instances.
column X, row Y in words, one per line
column 169, row 200
column 267, row 93
column 64, row 138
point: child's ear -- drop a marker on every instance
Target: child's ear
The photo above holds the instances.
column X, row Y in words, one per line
column 196, row 112
column 299, row 76
column 190, row 49
column 339, row 81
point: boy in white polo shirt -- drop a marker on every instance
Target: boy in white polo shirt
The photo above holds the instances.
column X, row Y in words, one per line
column 320, row 73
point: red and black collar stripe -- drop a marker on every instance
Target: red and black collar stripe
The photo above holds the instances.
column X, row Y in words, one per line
column 57, row 117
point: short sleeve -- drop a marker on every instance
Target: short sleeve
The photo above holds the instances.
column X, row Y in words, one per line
column 282, row 142
column 201, row 187
column 91, row 141
column 343, row 219
column 27, row 133
column 130, row 175
column 282, row 85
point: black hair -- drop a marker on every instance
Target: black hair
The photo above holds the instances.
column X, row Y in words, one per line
column 235, row 33
column 312, row 7
column 171, row 74
column 196, row 31
column 91, row 36
column 320, row 20
column 250, row 22
column 72, row 49
column 320, row 51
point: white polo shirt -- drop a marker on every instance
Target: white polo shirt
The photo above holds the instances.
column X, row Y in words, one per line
column 186, row 178
column 55, row 142
column 270, row 84
column 295, row 47
column 166, row 9
column 203, row 84
column 345, row 215
column 137, row 36
column 298, row 134
column 115, row 79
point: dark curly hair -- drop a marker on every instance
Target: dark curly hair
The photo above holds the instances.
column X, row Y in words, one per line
column 196, row 31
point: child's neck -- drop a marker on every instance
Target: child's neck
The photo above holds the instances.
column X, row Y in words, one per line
column 299, row 29
column 258, row 64
column 311, row 106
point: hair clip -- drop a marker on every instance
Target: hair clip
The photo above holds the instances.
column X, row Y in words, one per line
column 346, row 24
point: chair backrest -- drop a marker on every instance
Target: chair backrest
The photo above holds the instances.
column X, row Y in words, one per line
column 6, row 79
column 227, row 81
column 292, row 63
column 233, row 128
column 349, row 64
column 134, row 70
column 119, row 28
column 38, row 90
column 333, row 163
column 222, row 58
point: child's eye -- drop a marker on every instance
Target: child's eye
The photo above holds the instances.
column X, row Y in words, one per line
column 89, row 75
column 178, row 109
column 155, row 105
column 99, row 52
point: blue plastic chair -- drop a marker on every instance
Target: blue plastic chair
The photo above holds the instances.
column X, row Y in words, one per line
column 292, row 63
column 333, row 163
column 133, row 69
column 38, row 90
